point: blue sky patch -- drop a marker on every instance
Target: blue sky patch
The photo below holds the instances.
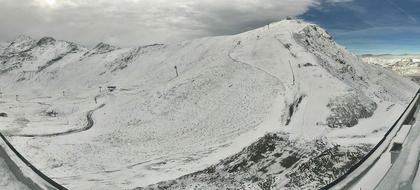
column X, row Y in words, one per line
column 371, row 26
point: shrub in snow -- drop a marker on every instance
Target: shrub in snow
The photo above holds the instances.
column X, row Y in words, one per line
column 348, row 109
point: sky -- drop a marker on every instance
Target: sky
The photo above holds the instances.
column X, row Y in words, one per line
column 363, row 26
column 371, row 26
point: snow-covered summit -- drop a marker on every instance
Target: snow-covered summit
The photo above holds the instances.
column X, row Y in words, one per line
column 273, row 106
column 21, row 43
column 25, row 55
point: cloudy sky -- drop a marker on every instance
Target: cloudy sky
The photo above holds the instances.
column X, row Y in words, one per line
column 364, row 26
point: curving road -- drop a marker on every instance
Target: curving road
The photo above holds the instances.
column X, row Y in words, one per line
column 22, row 173
column 88, row 126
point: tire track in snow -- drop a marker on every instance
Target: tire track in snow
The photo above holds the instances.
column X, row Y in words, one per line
column 88, row 126
column 253, row 66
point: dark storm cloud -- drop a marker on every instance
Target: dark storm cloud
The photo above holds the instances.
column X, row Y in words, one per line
column 236, row 16
column 135, row 22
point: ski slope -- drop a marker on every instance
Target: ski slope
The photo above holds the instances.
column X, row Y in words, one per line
column 289, row 78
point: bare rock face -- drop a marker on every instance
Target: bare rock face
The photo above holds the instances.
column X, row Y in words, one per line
column 45, row 41
column 101, row 48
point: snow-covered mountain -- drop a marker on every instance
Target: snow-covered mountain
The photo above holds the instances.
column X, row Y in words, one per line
column 282, row 106
column 407, row 65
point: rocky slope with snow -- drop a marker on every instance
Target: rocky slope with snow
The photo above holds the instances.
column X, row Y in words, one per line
column 282, row 106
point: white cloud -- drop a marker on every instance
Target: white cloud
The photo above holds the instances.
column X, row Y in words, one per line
column 135, row 22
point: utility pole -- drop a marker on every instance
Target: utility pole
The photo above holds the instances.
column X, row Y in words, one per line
column 176, row 71
column 17, row 97
column 293, row 73
column 64, row 93
column 100, row 88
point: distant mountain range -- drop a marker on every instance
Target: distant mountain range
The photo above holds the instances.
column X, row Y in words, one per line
column 405, row 64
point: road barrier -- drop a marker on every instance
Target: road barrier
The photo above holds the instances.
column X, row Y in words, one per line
column 24, row 170
column 387, row 135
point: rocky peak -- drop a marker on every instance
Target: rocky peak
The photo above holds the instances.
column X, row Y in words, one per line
column 21, row 43
column 101, row 48
column 104, row 48
column 46, row 41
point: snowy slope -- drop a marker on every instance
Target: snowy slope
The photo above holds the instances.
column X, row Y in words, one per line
column 288, row 86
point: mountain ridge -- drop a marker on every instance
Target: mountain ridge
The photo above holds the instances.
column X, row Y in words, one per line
column 228, row 106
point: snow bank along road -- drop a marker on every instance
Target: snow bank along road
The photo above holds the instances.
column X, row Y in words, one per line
column 373, row 171
column 403, row 171
column 17, row 173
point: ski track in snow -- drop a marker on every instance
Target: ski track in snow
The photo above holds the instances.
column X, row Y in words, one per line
column 253, row 66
